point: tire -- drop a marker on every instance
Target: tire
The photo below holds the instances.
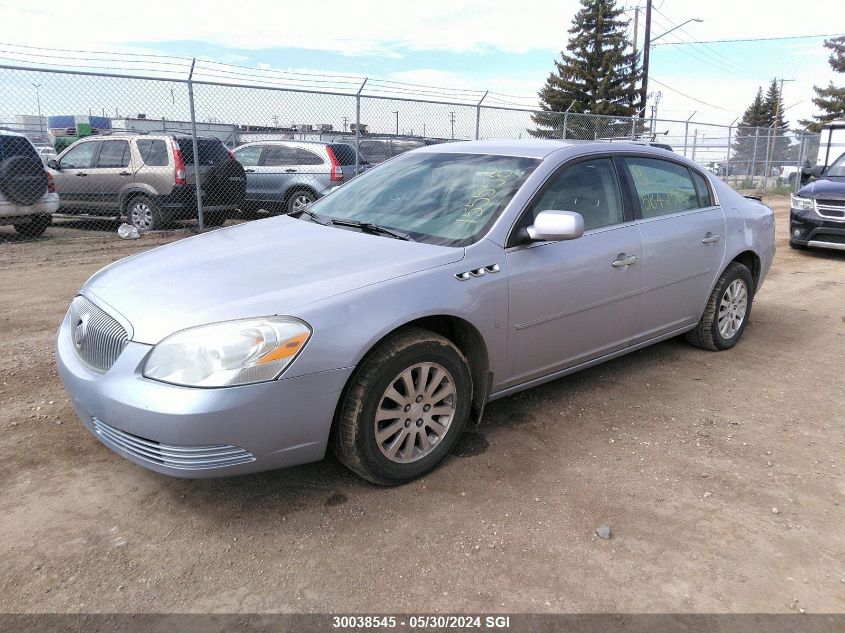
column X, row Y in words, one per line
column 23, row 180
column 215, row 218
column 299, row 199
column 35, row 227
column 355, row 439
column 797, row 246
column 712, row 335
column 144, row 214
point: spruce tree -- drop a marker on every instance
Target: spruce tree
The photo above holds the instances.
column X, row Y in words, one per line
column 749, row 134
column 830, row 100
column 597, row 74
column 777, row 126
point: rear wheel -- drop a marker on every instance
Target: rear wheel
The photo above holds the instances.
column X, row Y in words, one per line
column 298, row 200
column 405, row 408
column 144, row 214
column 35, row 227
column 727, row 312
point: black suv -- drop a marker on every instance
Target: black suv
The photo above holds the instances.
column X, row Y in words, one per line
column 817, row 218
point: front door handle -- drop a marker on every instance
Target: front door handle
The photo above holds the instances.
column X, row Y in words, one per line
column 81, row 173
column 249, row 171
column 290, row 171
column 624, row 261
column 710, row 238
column 124, row 173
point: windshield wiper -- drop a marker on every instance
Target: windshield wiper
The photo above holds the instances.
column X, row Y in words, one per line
column 311, row 215
column 369, row 227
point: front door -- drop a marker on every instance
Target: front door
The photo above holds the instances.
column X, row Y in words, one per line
column 72, row 177
column 683, row 236
column 574, row 301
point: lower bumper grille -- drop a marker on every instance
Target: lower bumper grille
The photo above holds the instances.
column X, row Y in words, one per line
column 181, row 457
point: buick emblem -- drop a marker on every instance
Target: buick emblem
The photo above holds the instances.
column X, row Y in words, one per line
column 80, row 330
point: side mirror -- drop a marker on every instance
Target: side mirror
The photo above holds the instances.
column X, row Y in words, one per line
column 554, row 226
column 817, row 171
column 53, row 164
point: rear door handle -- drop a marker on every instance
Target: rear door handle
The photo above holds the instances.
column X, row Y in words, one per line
column 710, row 238
column 79, row 173
column 249, row 171
column 124, row 173
column 625, row 261
column 290, row 171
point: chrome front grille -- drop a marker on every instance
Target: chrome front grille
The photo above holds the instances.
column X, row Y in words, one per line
column 181, row 457
column 97, row 337
column 834, row 209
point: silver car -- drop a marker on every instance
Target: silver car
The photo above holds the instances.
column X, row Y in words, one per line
column 382, row 318
column 290, row 175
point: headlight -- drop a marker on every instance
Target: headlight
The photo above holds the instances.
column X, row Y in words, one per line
column 229, row 353
column 803, row 204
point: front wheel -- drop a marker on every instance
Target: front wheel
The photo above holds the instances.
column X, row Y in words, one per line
column 35, row 227
column 298, row 200
column 405, row 408
column 727, row 312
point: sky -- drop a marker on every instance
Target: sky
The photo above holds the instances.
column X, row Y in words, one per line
column 506, row 47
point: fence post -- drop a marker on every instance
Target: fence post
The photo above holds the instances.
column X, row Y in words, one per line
column 634, row 128
column 358, row 123
column 728, row 154
column 800, row 161
column 768, row 158
column 754, row 155
column 694, row 142
column 478, row 115
column 200, row 218
column 686, row 132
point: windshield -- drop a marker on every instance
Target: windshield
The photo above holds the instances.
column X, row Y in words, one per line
column 837, row 168
column 446, row 199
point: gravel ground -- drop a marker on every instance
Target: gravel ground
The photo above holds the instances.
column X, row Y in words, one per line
column 720, row 476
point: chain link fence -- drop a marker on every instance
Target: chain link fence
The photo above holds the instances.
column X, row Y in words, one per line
column 83, row 153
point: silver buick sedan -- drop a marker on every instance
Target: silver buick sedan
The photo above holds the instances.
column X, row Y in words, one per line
column 381, row 319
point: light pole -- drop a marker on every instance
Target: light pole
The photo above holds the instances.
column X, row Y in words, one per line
column 40, row 121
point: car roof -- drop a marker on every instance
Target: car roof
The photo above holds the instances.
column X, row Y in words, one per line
column 537, row 148
column 5, row 132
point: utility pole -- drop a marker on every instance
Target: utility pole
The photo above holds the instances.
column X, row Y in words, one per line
column 396, row 112
column 646, row 47
column 345, row 122
column 452, row 121
column 634, row 63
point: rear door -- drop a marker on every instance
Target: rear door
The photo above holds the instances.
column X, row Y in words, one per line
column 683, row 235
column 110, row 173
column 275, row 173
column 72, row 177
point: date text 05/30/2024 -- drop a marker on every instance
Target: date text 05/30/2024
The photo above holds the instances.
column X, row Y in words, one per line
column 421, row 622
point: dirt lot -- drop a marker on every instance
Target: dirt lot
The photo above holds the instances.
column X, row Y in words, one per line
column 721, row 475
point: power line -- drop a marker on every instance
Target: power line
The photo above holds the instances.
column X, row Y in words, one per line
column 696, row 99
column 753, row 39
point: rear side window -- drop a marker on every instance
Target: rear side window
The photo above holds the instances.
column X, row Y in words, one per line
column 212, row 151
column 277, row 155
column 153, row 152
column 345, row 154
column 704, row 197
column 113, row 154
column 304, row 157
column 248, row 156
column 16, row 146
column 662, row 187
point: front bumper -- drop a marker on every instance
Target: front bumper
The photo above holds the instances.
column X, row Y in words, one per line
column 195, row 433
column 807, row 228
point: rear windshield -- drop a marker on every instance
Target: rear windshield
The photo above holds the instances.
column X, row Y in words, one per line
column 16, row 146
column 345, row 154
column 212, row 151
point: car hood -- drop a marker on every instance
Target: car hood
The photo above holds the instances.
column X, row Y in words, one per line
column 833, row 188
column 259, row 268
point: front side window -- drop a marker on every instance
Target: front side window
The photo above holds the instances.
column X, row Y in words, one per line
column 79, row 156
column 590, row 188
column 248, row 156
column 662, row 187
column 438, row 198
column 113, row 154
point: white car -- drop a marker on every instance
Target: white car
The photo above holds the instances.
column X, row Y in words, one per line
column 27, row 196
